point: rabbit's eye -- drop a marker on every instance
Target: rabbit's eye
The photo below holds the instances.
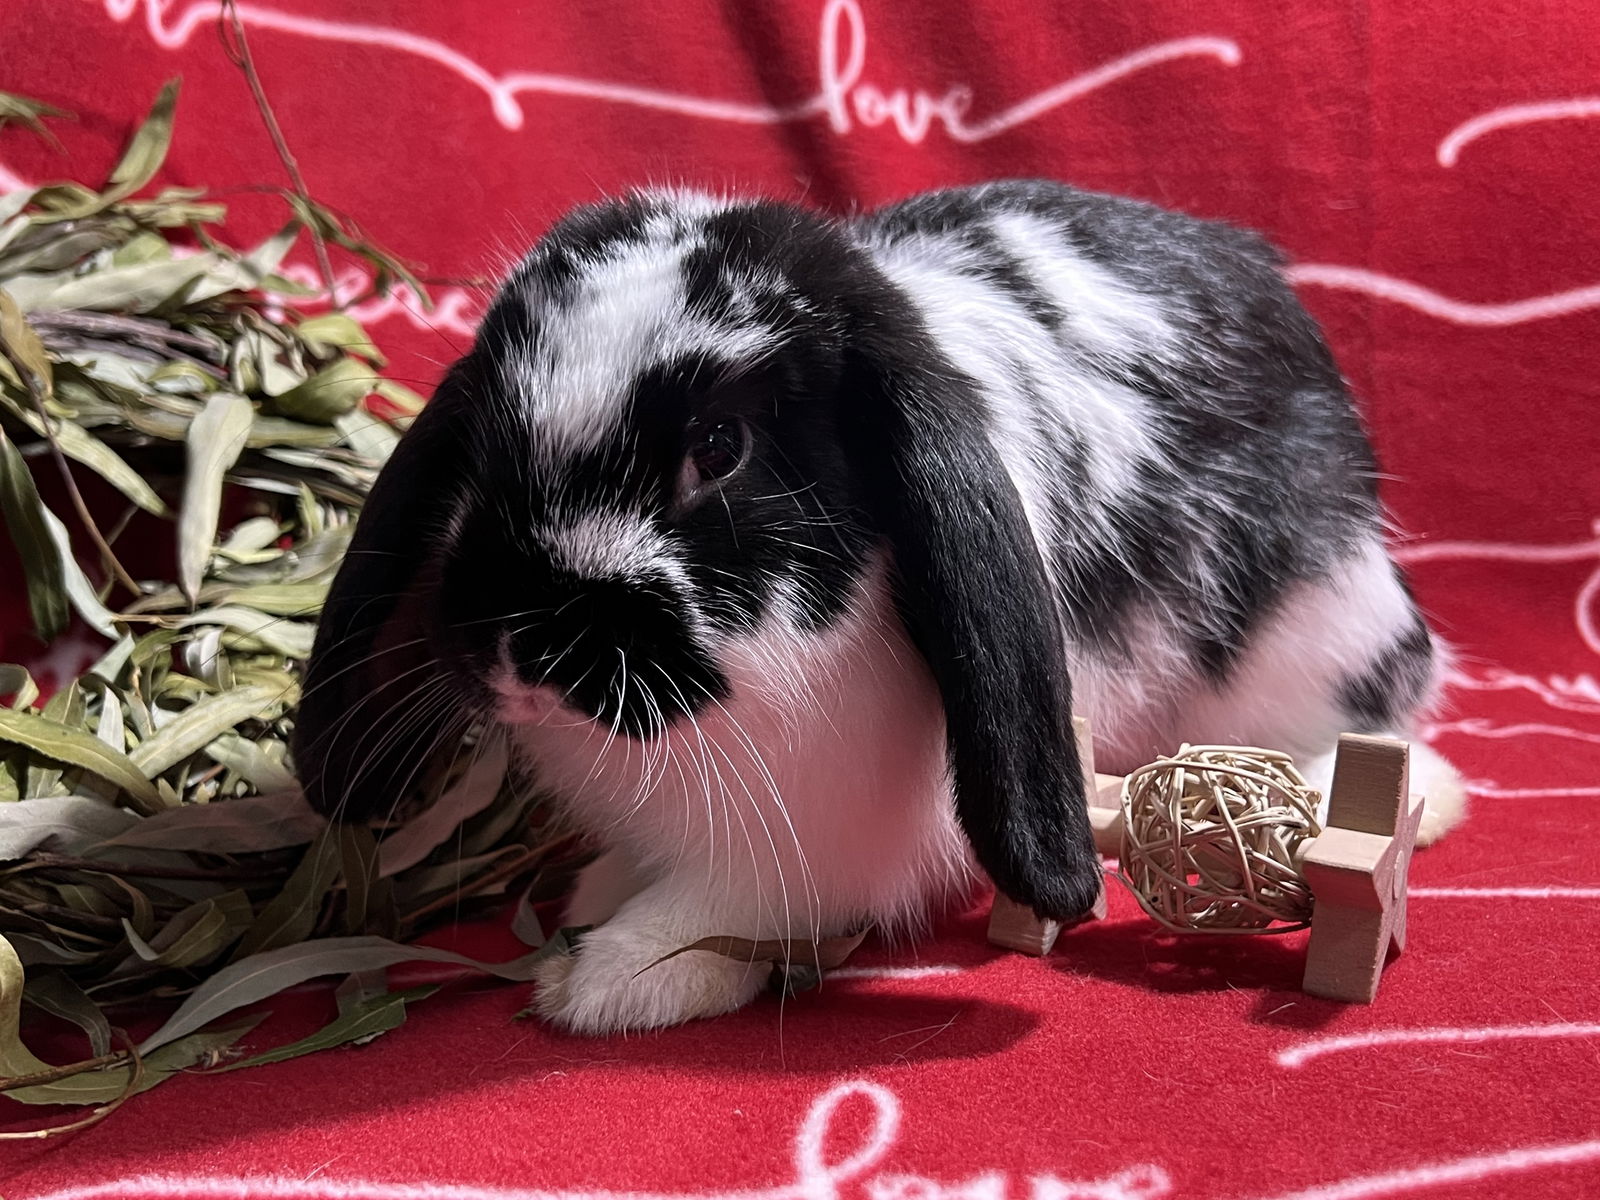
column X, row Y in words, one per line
column 719, row 451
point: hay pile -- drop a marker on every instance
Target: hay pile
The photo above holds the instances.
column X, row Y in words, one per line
column 152, row 843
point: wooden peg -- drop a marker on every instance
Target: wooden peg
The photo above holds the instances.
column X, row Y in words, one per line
column 1357, row 869
column 1105, row 814
column 1017, row 927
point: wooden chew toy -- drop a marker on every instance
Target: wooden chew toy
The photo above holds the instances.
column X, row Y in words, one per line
column 1355, row 868
column 1358, row 867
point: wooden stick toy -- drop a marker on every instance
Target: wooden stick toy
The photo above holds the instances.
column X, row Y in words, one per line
column 1226, row 840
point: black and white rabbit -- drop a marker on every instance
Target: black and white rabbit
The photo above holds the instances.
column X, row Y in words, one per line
column 785, row 547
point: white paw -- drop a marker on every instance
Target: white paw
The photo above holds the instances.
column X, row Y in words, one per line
column 606, row 987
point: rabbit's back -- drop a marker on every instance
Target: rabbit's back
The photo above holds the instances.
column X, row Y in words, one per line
column 1196, row 476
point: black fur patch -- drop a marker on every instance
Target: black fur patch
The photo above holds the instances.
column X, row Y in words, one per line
column 371, row 710
column 1389, row 690
column 1275, row 470
column 585, row 236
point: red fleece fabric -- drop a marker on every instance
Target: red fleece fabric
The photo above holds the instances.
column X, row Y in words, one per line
column 1430, row 168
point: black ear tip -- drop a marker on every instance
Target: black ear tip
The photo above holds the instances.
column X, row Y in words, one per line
column 1063, row 889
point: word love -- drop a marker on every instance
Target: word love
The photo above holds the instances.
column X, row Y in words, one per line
column 817, row 1176
column 843, row 95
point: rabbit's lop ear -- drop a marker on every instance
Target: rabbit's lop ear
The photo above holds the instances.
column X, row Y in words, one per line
column 978, row 603
column 373, row 708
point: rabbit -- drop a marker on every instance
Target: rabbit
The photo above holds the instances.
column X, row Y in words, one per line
column 783, row 548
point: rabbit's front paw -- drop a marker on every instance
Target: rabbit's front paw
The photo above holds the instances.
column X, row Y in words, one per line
column 609, row 984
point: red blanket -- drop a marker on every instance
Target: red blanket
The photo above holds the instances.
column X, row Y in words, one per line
column 1429, row 165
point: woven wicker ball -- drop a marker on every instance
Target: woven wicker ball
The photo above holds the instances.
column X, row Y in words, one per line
column 1209, row 839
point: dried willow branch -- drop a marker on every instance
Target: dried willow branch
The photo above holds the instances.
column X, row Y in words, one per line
column 236, row 44
column 36, row 393
column 116, row 1058
column 135, row 1078
column 153, row 843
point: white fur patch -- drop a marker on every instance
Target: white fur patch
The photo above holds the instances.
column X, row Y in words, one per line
column 1030, row 384
column 607, row 544
column 1101, row 309
column 1284, row 691
column 627, row 315
column 814, row 800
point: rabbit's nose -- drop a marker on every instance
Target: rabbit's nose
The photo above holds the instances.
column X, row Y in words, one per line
column 518, row 704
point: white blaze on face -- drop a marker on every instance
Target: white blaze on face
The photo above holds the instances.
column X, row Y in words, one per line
column 575, row 378
column 609, row 544
column 628, row 547
column 627, row 313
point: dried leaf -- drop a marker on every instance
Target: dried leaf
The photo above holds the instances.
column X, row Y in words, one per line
column 37, row 951
column 30, row 533
column 93, row 1087
column 200, row 724
column 332, row 392
column 267, row 776
column 99, row 1087
column 28, row 111
column 83, row 447
column 110, row 728
column 248, row 536
column 197, row 934
column 358, row 855
column 292, row 638
column 280, row 599
column 138, row 288
column 109, row 666
column 367, row 435
column 215, row 440
column 13, row 226
column 266, row 258
column 363, row 1023
column 72, row 820
column 243, row 826
column 142, row 248
column 260, row 366
column 525, row 924
column 262, row 975
column 292, row 914
column 16, row 680
column 824, row 955
column 203, row 658
column 21, row 343
column 55, row 993
column 402, row 397
column 85, row 600
column 473, row 793
column 338, row 331
column 360, row 987
column 15, row 1058
column 63, row 743
column 148, row 149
